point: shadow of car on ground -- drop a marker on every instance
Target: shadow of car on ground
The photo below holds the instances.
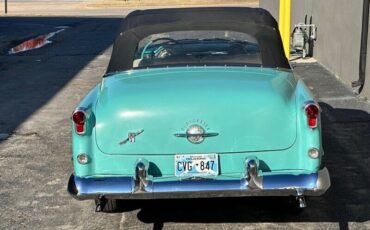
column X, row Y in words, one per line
column 346, row 135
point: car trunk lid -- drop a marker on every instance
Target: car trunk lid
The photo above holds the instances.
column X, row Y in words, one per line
column 251, row 109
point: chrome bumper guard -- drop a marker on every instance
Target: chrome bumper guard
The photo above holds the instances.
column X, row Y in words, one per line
column 139, row 187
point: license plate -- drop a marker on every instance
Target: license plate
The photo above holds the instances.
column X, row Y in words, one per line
column 196, row 165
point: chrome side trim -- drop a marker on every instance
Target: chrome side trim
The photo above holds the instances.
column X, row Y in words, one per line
column 314, row 184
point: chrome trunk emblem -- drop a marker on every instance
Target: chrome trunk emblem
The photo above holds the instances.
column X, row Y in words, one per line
column 195, row 134
column 131, row 137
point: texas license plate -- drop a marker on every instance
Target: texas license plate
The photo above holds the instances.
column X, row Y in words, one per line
column 196, row 165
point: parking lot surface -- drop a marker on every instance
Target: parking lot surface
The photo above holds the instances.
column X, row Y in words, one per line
column 39, row 90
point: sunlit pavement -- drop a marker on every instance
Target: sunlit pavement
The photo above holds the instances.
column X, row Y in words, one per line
column 96, row 7
column 40, row 88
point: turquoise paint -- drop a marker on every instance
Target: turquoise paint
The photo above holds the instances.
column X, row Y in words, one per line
column 257, row 111
column 246, row 108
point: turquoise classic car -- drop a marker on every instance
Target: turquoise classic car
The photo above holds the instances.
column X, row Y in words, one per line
column 197, row 103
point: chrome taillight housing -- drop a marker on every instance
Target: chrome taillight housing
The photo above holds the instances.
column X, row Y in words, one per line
column 79, row 119
column 312, row 111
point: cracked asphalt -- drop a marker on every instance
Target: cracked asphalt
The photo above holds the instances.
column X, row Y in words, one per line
column 39, row 90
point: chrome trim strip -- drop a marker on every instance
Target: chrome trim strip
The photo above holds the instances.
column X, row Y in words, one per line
column 314, row 184
column 194, row 135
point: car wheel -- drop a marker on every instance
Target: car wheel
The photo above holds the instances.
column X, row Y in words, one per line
column 107, row 205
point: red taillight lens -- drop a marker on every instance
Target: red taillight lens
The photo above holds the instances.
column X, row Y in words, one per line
column 79, row 118
column 312, row 113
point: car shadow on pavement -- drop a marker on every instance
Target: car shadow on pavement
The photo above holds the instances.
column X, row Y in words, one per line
column 29, row 80
column 346, row 135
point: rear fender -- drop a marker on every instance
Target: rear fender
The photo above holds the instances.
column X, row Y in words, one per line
column 84, row 143
column 307, row 137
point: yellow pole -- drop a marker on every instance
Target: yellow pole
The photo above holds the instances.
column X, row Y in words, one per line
column 284, row 24
column 281, row 16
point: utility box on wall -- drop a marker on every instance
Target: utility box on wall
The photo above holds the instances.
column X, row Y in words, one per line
column 337, row 46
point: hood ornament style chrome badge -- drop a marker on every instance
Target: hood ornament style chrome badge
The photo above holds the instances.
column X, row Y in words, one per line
column 131, row 137
column 195, row 134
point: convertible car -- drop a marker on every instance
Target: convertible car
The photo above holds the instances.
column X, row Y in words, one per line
column 197, row 103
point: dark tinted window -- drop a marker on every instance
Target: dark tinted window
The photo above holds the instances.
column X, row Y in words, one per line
column 194, row 48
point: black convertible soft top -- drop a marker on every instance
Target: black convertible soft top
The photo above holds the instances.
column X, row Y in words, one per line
column 253, row 21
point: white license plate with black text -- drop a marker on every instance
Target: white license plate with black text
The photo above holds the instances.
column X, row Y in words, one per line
column 196, row 165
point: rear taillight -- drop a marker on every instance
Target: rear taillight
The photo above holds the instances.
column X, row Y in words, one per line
column 312, row 111
column 79, row 118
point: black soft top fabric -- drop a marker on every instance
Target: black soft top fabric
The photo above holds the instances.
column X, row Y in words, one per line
column 253, row 21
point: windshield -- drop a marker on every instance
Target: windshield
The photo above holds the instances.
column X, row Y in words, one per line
column 194, row 48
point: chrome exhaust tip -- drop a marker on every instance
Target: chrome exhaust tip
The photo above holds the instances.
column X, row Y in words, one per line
column 301, row 199
column 301, row 202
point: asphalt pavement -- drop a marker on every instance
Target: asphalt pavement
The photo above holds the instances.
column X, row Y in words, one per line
column 39, row 90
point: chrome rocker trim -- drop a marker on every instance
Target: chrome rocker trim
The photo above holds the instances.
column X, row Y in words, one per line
column 139, row 187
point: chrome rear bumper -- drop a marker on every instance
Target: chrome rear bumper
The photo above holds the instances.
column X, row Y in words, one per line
column 138, row 187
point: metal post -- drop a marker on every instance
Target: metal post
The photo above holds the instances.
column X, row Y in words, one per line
column 284, row 24
column 6, row 6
